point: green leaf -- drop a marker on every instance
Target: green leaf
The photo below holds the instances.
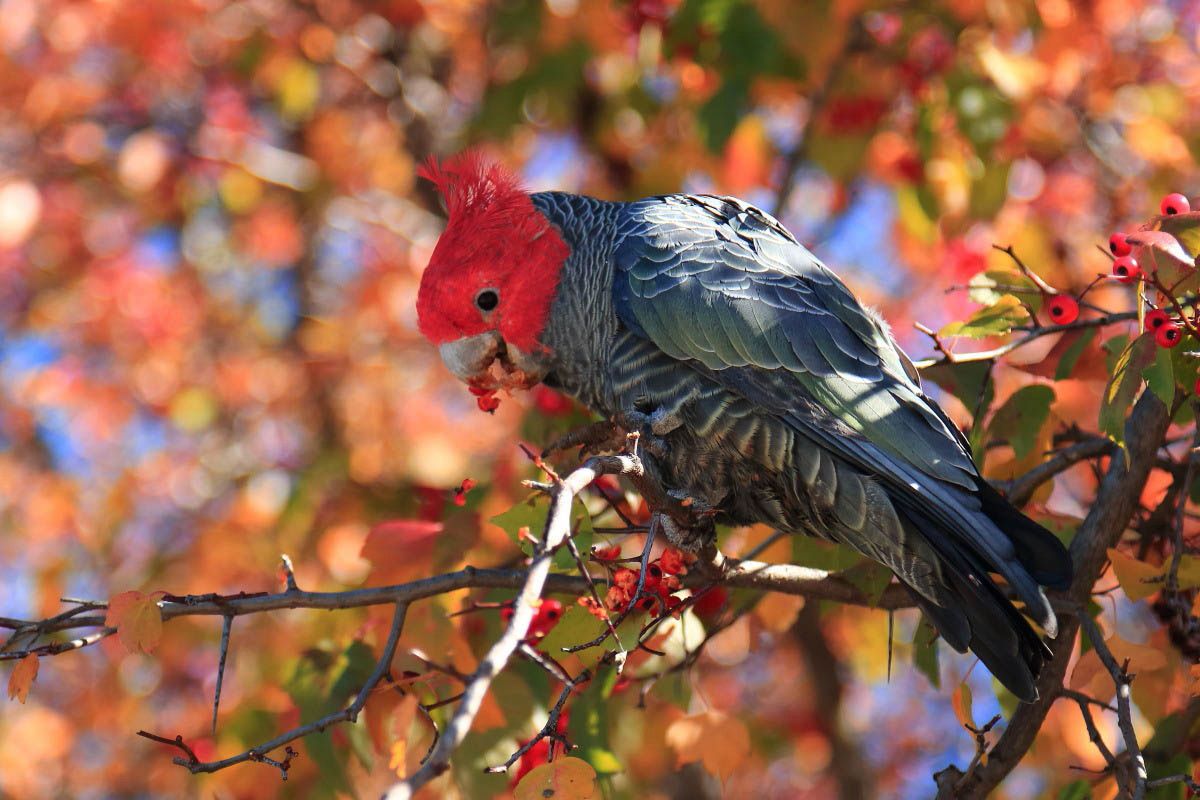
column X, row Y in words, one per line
column 1159, row 375
column 1070, row 357
column 1007, row 700
column 1186, row 230
column 925, row 652
column 1021, row 418
column 994, row 320
column 577, row 626
column 990, row 192
column 589, row 726
column 525, row 514
column 965, row 380
column 870, row 577
column 1124, row 384
column 988, row 287
column 720, row 114
column 809, row 551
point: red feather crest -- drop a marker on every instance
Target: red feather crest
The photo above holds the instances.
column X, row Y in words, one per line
column 470, row 183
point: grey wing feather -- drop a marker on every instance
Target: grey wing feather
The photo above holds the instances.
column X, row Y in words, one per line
column 716, row 281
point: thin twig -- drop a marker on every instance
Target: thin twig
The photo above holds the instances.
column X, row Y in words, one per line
column 557, row 529
column 1122, row 679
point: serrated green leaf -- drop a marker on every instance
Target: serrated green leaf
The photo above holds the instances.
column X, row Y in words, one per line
column 994, row 320
column 1021, row 417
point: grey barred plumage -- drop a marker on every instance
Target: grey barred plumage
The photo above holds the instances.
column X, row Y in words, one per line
column 778, row 398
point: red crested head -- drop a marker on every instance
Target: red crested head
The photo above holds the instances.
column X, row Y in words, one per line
column 496, row 266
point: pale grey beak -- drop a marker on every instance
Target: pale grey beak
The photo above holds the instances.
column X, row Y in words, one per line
column 471, row 356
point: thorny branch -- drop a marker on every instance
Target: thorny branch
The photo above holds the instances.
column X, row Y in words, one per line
column 347, row 714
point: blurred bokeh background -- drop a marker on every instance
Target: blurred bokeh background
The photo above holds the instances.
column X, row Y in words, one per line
column 211, row 235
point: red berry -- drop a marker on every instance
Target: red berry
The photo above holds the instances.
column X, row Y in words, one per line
column 487, row 402
column 1119, row 244
column 1156, row 318
column 673, row 562
column 1126, row 269
column 1063, row 309
column 460, row 494
column 1174, row 203
column 1196, row 388
column 548, row 615
column 1168, row 335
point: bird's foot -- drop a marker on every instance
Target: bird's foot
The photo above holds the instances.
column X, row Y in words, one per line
column 694, row 537
column 651, row 429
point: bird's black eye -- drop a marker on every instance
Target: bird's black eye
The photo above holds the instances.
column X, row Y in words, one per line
column 487, row 300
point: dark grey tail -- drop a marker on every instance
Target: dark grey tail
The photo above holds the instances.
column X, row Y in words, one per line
column 976, row 614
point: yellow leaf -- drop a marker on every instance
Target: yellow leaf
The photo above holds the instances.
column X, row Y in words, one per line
column 1135, row 576
column 718, row 741
column 561, row 779
column 1189, row 572
column 137, row 618
column 22, row 678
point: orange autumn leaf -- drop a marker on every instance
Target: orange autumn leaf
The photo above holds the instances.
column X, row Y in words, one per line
column 398, row 549
column 718, row 741
column 405, row 714
column 137, row 618
column 22, row 678
column 561, row 779
column 960, row 701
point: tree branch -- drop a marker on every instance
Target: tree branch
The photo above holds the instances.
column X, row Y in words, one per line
column 1114, row 506
column 347, row 714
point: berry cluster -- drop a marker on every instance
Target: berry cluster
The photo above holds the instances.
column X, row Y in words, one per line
column 1063, row 309
column 1168, row 331
column 658, row 585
